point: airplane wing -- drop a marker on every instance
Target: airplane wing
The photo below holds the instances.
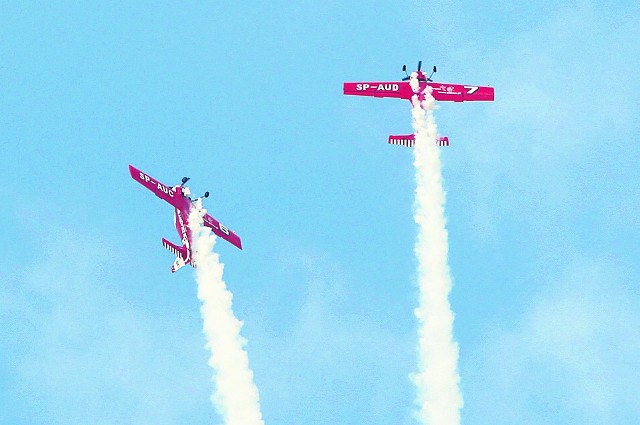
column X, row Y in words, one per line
column 461, row 93
column 160, row 190
column 397, row 89
column 221, row 230
column 402, row 90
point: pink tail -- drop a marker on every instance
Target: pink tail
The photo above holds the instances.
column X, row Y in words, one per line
column 180, row 252
column 443, row 141
column 409, row 140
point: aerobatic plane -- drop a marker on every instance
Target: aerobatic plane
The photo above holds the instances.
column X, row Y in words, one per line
column 415, row 84
column 179, row 198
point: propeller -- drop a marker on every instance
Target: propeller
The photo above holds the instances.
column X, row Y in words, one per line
column 404, row 68
column 206, row 195
column 433, row 72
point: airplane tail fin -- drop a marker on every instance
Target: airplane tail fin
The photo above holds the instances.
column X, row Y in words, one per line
column 179, row 251
column 409, row 140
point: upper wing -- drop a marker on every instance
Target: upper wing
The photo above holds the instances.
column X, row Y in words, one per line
column 397, row 89
column 222, row 231
column 159, row 189
column 461, row 93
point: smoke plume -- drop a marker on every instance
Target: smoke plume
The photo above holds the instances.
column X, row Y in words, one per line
column 236, row 396
column 438, row 394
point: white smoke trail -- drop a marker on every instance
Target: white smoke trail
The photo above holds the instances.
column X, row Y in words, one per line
column 236, row 396
column 438, row 395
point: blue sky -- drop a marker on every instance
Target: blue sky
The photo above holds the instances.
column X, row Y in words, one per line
column 246, row 99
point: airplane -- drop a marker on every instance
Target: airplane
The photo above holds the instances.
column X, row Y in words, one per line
column 179, row 197
column 415, row 84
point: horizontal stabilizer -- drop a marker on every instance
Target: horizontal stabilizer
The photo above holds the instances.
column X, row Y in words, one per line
column 443, row 141
column 179, row 251
column 409, row 140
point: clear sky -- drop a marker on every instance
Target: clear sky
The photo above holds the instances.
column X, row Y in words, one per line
column 246, row 99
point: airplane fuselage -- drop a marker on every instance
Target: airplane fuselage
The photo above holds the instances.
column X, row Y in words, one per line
column 182, row 226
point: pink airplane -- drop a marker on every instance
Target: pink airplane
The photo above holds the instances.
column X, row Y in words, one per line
column 402, row 90
column 178, row 197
